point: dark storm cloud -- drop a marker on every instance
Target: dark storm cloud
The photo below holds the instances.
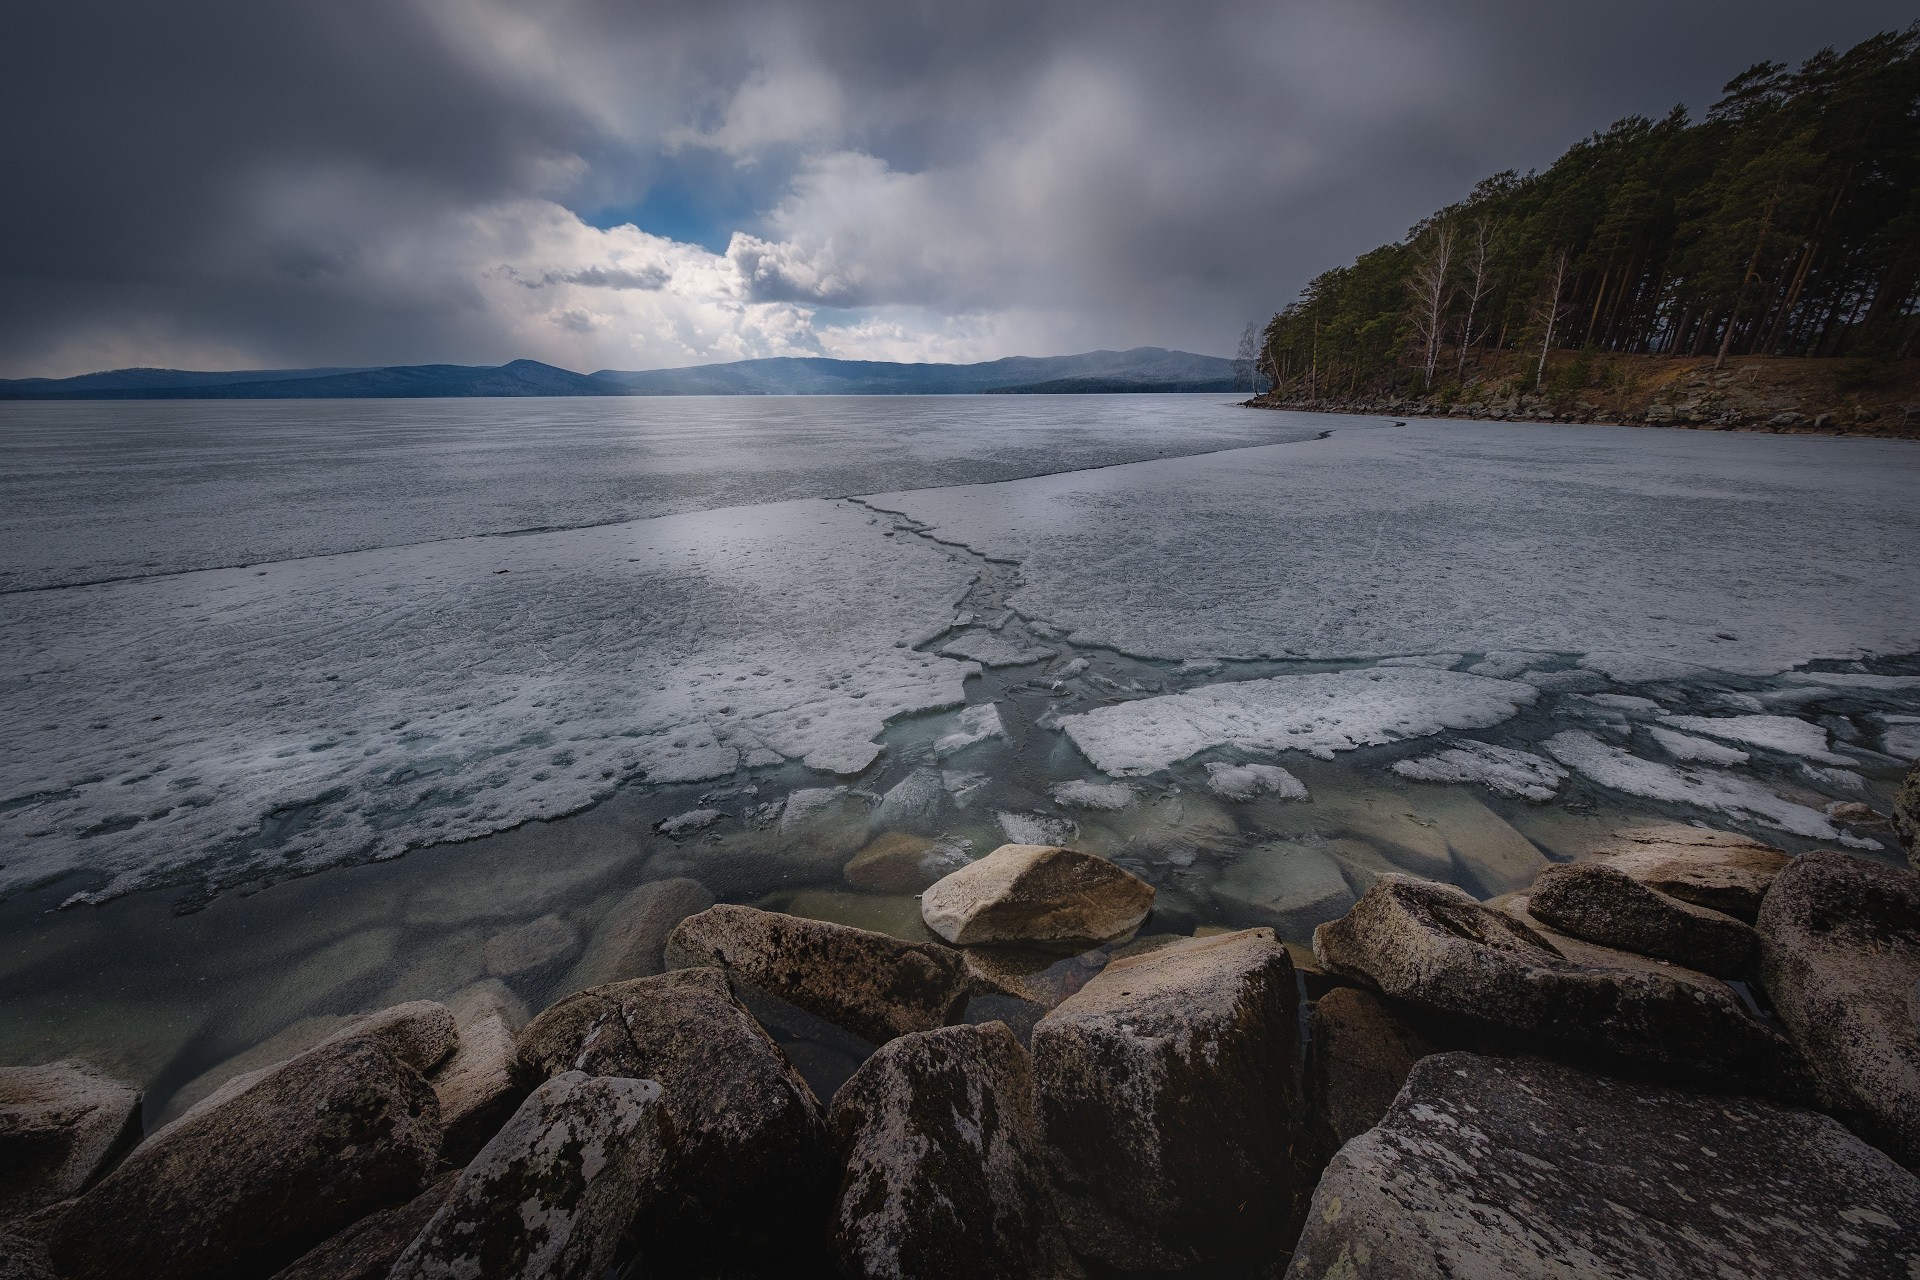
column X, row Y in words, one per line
column 344, row 182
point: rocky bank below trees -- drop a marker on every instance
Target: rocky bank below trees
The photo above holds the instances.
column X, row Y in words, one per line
column 1747, row 393
column 1680, row 1055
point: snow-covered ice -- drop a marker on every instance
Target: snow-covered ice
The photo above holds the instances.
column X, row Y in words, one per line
column 1506, row 770
column 1036, row 828
column 1901, row 737
column 990, row 650
column 1652, row 552
column 1738, row 798
column 241, row 721
column 1684, row 746
column 1251, row 781
column 1770, row 733
column 1319, row 714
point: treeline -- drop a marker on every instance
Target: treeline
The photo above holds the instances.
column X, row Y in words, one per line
column 1785, row 223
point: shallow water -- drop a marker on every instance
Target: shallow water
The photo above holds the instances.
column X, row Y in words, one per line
column 160, row 996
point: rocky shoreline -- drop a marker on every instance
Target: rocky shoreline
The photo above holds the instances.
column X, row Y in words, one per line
column 1681, row 1054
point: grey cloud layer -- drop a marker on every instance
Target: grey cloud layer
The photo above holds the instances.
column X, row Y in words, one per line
column 352, row 181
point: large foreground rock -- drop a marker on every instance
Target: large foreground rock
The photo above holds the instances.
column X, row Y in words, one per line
column 551, row 1196
column 1840, row 958
column 1521, row 1169
column 1358, row 1056
column 244, row 1186
column 1906, row 815
column 1433, row 946
column 1715, row 869
column 475, row 1087
column 1602, row 904
column 368, row 1249
column 60, row 1125
column 945, row 1177
column 1164, row 1096
column 873, row 985
column 632, row 941
column 749, row 1167
column 1040, row 895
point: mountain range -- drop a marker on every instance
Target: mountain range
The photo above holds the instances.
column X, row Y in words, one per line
column 1141, row 369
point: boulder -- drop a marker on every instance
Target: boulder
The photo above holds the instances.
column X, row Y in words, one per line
column 475, row 1088
column 900, row 863
column 420, row 1033
column 245, row 1185
column 631, row 941
column 1432, row 946
column 1039, row 977
column 1906, row 815
column 1164, row 1087
column 748, row 1166
column 1530, row 1170
column 1601, row 904
column 945, row 1175
column 1840, row 959
column 1038, row 895
column 1288, row 887
column 22, row 1259
column 368, row 1249
column 551, row 1196
column 873, row 985
column 61, row 1125
column 1359, row 1051
column 486, row 998
column 1714, row 869
column 536, row 947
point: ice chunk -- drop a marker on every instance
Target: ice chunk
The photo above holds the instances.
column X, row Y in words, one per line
column 1901, row 737
column 1622, row 701
column 689, row 822
column 976, row 724
column 1843, row 779
column 1506, row 665
column 963, row 787
column 1251, row 781
column 1081, row 794
column 990, row 650
column 1682, row 746
column 1565, row 681
column 1772, row 733
column 912, row 804
column 1723, row 793
column 1036, row 828
column 1506, row 770
column 1444, row 661
column 1852, row 680
column 1320, row 714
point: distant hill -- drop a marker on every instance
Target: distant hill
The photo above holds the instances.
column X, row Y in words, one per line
column 1151, row 369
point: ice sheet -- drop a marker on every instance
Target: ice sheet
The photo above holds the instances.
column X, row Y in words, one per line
column 1772, row 733
column 1654, row 551
column 241, row 722
column 1319, row 714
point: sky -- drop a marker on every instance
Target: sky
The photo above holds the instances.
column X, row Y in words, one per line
column 221, row 184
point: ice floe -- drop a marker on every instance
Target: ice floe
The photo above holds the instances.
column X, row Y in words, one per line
column 1082, row 794
column 1036, row 828
column 1507, row 770
column 1251, row 781
column 1770, row 733
column 991, row 650
column 975, row 725
column 1319, row 714
column 1684, row 746
column 1737, row 797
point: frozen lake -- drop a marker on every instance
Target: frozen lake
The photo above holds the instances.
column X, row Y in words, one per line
column 243, row 642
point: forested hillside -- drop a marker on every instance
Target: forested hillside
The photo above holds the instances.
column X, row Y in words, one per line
column 1787, row 222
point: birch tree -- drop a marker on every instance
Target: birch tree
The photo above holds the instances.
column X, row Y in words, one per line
column 1547, row 313
column 1479, row 272
column 1246, row 362
column 1431, row 283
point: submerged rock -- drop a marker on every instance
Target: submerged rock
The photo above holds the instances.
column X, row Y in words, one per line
column 243, row 1186
column 1433, row 946
column 873, row 985
column 1531, row 1170
column 368, row 1249
column 1359, row 1053
column 550, row 1197
column 1164, row 1090
column 916, row 803
column 1594, row 901
column 538, row 946
column 897, row 862
column 60, row 1126
column 827, row 821
column 1714, row 869
column 945, row 1177
column 1840, row 959
column 631, row 941
column 1287, row 887
column 1040, row 895
column 749, row 1168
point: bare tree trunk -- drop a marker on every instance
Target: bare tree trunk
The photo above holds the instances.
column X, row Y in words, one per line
column 1432, row 290
column 1552, row 314
column 1477, row 262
